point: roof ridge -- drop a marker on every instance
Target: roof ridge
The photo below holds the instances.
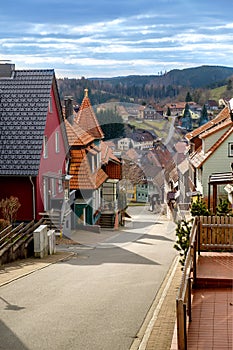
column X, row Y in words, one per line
column 222, row 116
column 213, row 147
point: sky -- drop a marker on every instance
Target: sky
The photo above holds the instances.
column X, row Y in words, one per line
column 105, row 38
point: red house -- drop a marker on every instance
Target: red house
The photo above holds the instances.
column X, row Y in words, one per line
column 33, row 142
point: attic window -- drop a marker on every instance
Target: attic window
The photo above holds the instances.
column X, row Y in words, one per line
column 45, row 146
column 50, row 105
column 230, row 149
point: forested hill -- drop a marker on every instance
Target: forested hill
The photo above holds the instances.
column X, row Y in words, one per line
column 199, row 77
column 140, row 88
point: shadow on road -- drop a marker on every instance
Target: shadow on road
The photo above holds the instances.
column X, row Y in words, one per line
column 9, row 340
column 112, row 255
column 11, row 307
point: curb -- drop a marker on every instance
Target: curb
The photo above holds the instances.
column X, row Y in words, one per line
column 143, row 335
column 37, row 268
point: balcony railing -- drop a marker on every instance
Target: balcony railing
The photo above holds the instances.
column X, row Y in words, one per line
column 208, row 233
column 109, row 206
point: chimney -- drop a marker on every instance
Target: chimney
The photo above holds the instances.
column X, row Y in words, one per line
column 69, row 109
column 6, row 69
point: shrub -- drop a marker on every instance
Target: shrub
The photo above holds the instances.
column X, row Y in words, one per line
column 183, row 230
column 198, row 208
column 223, row 207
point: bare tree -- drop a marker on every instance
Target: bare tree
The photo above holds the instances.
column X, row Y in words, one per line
column 9, row 208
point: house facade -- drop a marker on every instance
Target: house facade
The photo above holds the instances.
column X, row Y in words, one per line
column 211, row 151
column 152, row 112
column 33, row 142
column 91, row 168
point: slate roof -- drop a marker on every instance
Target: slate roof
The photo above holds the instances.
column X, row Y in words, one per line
column 24, row 99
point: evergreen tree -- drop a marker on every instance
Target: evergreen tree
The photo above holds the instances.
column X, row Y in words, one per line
column 186, row 121
column 229, row 84
column 204, row 116
column 168, row 111
column 111, row 123
column 188, row 97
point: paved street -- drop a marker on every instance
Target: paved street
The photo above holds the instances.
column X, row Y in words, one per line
column 96, row 300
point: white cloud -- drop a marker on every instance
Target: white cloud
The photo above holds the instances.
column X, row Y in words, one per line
column 149, row 39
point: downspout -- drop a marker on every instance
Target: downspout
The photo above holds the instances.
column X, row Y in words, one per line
column 33, row 198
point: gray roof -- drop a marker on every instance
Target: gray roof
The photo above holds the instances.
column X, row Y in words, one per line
column 24, row 99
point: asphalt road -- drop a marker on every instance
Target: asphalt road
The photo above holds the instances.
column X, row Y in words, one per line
column 98, row 299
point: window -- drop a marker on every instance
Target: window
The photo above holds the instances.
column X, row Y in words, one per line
column 57, row 146
column 45, row 146
column 53, row 187
column 60, row 184
column 50, row 105
column 230, row 149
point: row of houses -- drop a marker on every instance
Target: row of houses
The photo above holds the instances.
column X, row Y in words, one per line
column 56, row 163
column 201, row 163
column 153, row 111
column 53, row 157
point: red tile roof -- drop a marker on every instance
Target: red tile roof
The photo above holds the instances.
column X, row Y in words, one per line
column 82, row 176
column 87, row 120
column 76, row 135
column 107, row 154
column 199, row 157
column 221, row 117
column 226, row 123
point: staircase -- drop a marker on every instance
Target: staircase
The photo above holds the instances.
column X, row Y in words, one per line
column 107, row 220
column 52, row 219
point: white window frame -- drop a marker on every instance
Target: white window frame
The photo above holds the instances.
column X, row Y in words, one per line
column 60, row 183
column 57, row 142
column 53, row 187
column 45, row 193
column 45, row 147
column 92, row 164
column 50, row 105
column 230, row 149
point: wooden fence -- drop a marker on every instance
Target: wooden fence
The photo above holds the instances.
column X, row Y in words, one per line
column 216, row 233
column 17, row 243
column 208, row 233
